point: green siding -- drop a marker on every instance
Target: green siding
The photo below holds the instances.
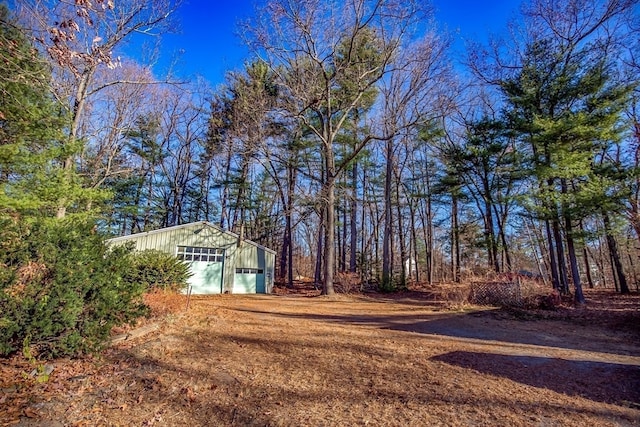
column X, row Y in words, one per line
column 202, row 234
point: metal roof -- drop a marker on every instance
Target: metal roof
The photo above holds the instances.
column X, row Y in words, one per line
column 187, row 225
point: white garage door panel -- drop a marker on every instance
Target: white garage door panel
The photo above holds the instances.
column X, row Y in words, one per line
column 207, row 277
column 248, row 281
column 207, row 267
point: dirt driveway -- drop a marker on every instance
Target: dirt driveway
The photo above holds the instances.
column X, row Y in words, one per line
column 296, row 361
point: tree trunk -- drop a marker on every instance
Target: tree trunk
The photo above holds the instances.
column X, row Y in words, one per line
column 618, row 272
column 553, row 264
column 353, row 248
column 292, row 174
column 536, row 245
column 600, row 261
column 317, row 276
column 562, row 266
column 503, row 238
column 290, row 256
column 343, row 250
column 455, row 240
column 284, row 250
column 76, row 116
column 329, row 235
column 492, row 246
column 402, row 241
column 587, row 266
column 339, row 239
column 224, row 196
column 573, row 262
column 573, row 259
column 387, row 274
column 429, row 231
column 414, row 239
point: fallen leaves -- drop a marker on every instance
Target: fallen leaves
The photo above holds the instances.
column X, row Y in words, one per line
column 262, row 360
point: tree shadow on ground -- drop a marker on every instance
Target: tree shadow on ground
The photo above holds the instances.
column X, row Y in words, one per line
column 601, row 382
column 232, row 396
column 484, row 326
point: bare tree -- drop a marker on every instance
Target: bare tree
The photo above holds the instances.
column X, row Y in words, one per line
column 330, row 57
column 418, row 91
column 82, row 37
column 109, row 115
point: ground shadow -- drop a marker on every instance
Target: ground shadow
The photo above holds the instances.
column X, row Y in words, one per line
column 483, row 325
column 601, row 382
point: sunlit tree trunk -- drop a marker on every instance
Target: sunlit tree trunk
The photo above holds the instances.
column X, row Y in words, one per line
column 618, row 270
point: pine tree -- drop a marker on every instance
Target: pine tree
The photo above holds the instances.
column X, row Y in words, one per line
column 30, row 127
column 61, row 289
column 565, row 109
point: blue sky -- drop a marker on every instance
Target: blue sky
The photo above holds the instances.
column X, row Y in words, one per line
column 208, row 44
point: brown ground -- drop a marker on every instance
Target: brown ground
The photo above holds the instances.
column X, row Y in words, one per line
column 398, row 360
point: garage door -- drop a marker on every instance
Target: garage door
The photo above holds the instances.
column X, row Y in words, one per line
column 249, row 281
column 207, row 266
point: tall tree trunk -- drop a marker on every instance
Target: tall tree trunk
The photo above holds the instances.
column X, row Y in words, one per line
column 429, row 231
column 601, row 260
column 239, row 212
column 386, row 239
column 376, row 218
column 291, row 186
column 537, row 244
column 317, row 276
column 455, row 240
column 290, row 256
column 503, row 238
column 343, row 251
column 573, row 259
column 402, row 241
column 284, row 250
column 553, row 264
column 353, row 248
column 329, row 236
column 224, row 209
column 633, row 269
column 339, row 240
column 135, row 217
column 79, row 103
column 618, row 272
column 365, row 243
column 560, row 257
column 573, row 262
column 414, row 239
column 492, row 246
column 587, row 266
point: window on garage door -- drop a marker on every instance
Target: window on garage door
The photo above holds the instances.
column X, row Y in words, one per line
column 194, row 253
column 249, row 271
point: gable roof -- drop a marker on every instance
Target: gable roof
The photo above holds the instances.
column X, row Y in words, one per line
column 188, row 225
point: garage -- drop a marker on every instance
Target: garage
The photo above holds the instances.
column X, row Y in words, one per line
column 207, row 267
column 219, row 261
column 249, row 281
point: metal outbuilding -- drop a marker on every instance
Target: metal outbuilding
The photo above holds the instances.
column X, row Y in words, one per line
column 219, row 261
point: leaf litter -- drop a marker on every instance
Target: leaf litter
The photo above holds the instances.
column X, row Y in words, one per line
column 297, row 359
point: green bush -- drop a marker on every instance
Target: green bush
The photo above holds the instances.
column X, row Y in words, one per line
column 158, row 270
column 61, row 289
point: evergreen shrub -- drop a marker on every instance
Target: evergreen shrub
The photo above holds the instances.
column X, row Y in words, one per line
column 156, row 270
column 61, row 289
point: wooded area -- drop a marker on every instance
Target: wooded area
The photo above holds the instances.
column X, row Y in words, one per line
column 352, row 142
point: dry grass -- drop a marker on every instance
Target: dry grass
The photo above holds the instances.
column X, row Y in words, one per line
column 397, row 359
